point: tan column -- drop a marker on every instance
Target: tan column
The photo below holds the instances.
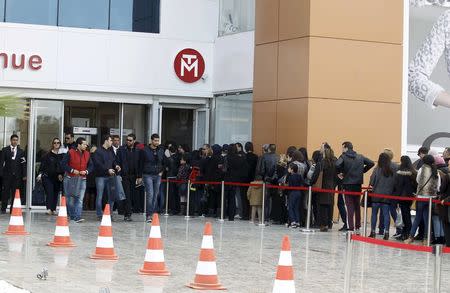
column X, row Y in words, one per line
column 328, row 71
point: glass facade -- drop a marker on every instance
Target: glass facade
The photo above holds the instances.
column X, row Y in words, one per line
column 234, row 111
column 236, row 16
column 84, row 13
column 30, row 11
column 124, row 15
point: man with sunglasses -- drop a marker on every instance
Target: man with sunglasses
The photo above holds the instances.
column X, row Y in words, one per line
column 128, row 158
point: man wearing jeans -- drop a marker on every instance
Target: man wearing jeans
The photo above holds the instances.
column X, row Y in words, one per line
column 151, row 169
column 76, row 164
column 105, row 166
column 351, row 168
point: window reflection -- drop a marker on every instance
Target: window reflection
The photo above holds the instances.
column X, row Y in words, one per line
column 236, row 16
column 92, row 14
column 30, row 11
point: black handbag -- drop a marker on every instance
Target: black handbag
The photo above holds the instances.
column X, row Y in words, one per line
column 38, row 194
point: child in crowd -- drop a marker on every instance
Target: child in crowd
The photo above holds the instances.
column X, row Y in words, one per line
column 183, row 174
column 254, row 195
column 294, row 180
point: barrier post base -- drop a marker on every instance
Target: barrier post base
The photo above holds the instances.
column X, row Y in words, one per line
column 221, row 220
column 166, row 215
column 187, row 217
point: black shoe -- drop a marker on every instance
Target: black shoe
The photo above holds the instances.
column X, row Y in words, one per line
column 128, row 219
column 344, row 228
column 380, row 232
column 372, row 235
column 149, row 219
column 386, row 236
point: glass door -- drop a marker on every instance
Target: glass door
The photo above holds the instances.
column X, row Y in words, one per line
column 201, row 127
column 48, row 120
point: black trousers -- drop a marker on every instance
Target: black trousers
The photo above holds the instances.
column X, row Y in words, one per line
column 129, row 187
column 230, row 193
column 324, row 215
column 10, row 183
column 174, row 198
column 52, row 186
column 405, row 207
column 214, row 199
column 446, row 232
column 245, row 203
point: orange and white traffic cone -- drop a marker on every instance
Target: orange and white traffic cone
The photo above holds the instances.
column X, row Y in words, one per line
column 16, row 226
column 62, row 233
column 105, row 246
column 284, row 281
column 154, row 256
column 206, row 274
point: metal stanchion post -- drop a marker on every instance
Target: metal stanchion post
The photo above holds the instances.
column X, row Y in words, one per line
column 437, row 251
column 167, row 198
column 348, row 263
column 222, row 200
column 308, row 214
column 188, row 199
column 263, row 212
column 366, row 194
column 430, row 210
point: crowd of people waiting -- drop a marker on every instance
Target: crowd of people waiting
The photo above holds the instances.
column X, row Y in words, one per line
column 121, row 171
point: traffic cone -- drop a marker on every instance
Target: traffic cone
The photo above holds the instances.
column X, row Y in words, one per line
column 206, row 274
column 16, row 226
column 154, row 256
column 284, row 281
column 62, row 234
column 105, row 245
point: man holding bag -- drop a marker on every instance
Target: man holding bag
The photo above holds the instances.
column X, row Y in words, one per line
column 105, row 166
column 76, row 165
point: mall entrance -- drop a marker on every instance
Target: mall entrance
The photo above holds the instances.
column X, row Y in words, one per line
column 183, row 124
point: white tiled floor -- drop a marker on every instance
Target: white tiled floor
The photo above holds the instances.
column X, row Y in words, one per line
column 247, row 256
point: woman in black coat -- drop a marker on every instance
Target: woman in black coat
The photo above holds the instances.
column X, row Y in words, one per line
column 405, row 185
column 51, row 174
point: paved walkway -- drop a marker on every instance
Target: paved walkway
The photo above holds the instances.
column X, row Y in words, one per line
column 247, row 258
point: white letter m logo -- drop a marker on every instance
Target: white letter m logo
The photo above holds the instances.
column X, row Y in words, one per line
column 190, row 64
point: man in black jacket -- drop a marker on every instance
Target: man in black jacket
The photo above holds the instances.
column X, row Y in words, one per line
column 150, row 172
column 13, row 170
column 105, row 166
column 128, row 158
column 351, row 168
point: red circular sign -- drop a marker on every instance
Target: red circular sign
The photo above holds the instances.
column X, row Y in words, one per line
column 189, row 65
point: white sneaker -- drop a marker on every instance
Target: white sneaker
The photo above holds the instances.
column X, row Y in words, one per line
column 49, row 212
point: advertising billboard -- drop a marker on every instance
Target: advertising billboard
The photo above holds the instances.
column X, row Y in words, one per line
column 429, row 74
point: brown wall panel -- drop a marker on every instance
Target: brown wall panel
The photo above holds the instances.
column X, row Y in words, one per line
column 266, row 21
column 346, row 69
column 370, row 126
column 294, row 19
column 379, row 21
column 293, row 68
column 265, row 72
column 264, row 123
column 292, row 123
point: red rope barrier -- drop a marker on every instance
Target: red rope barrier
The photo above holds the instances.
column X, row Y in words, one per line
column 391, row 244
column 446, row 250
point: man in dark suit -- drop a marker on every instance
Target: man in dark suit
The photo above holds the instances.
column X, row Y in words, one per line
column 128, row 157
column 13, row 170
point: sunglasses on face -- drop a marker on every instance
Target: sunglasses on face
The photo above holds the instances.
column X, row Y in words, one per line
column 56, row 142
column 129, row 140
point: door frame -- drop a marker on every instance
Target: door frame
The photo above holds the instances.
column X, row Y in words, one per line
column 206, row 110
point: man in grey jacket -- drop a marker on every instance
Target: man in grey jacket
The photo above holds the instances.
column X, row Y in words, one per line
column 351, row 167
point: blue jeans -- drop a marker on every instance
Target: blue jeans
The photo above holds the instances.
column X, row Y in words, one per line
column 101, row 185
column 438, row 227
column 151, row 183
column 393, row 212
column 384, row 209
column 294, row 206
column 421, row 214
column 75, row 203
